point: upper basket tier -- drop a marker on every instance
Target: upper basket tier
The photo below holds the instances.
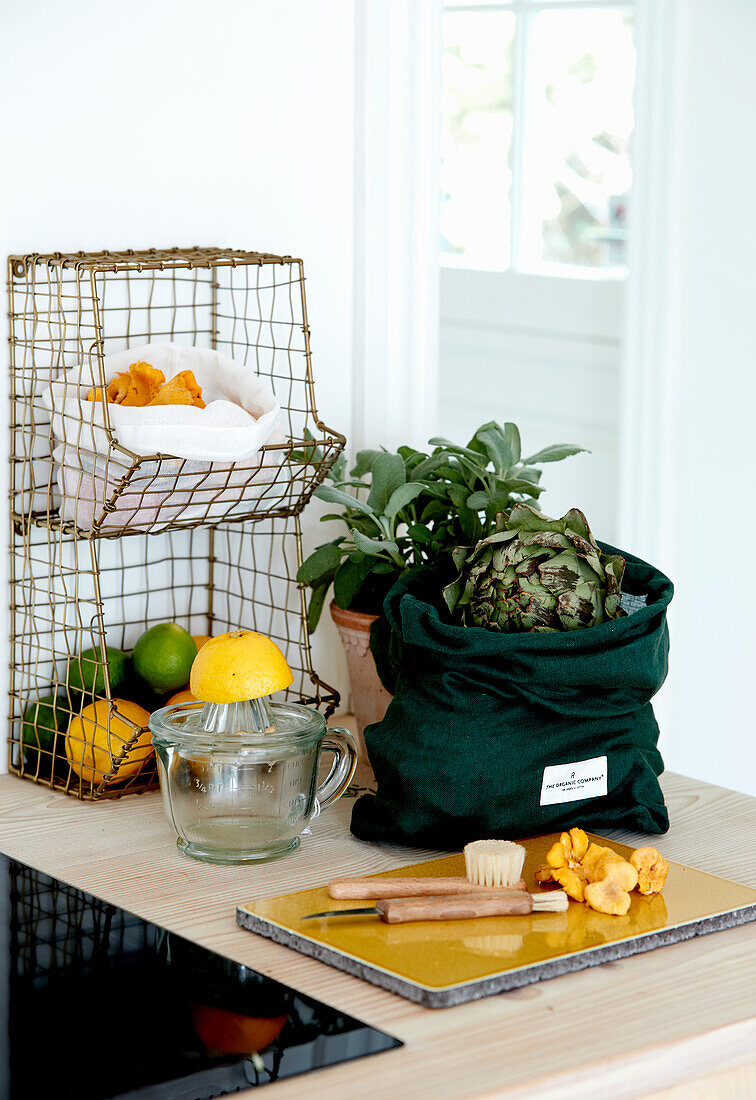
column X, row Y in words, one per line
column 70, row 312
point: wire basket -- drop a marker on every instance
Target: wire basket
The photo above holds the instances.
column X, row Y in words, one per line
column 210, row 546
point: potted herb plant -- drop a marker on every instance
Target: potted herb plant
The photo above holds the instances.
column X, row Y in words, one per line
column 400, row 510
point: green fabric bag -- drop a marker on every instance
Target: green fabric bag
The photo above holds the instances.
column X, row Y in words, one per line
column 506, row 735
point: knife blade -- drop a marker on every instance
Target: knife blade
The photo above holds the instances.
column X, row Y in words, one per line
column 343, row 913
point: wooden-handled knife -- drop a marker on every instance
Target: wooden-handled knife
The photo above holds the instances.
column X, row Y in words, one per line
column 455, row 907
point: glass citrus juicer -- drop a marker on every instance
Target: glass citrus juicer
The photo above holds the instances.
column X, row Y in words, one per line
column 238, row 772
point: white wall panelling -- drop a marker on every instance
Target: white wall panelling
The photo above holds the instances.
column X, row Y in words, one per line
column 545, row 352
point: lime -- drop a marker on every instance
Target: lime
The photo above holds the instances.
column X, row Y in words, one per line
column 163, row 657
column 86, row 671
column 41, row 721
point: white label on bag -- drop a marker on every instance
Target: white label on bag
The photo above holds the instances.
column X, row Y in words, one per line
column 571, row 782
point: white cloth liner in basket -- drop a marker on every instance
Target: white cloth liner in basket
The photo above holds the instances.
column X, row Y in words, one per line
column 220, row 442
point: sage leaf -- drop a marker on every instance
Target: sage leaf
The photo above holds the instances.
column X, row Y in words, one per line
column 337, row 496
column 497, row 448
column 373, row 547
column 387, row 473
column 418, row 532
column 363, row 461
column 522, row 485
column 555, row 453
column 436, row 509
column 512, row 438
column 453, row 448
column 428, row 465
column 349, row 578
column 458, row 495
column 478, row 500
column 314, row 611
column 321, row 563
column 403, row 496
column 530, row 474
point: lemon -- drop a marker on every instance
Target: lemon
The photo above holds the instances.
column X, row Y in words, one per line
column 238, row 666
column 96, row 738
column 163, row 657
column 86, row 672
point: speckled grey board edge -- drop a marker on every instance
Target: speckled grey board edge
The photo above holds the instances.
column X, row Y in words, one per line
column 499, row 983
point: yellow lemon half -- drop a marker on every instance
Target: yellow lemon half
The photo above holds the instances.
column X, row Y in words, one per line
column 238, row 666
column 96, row 738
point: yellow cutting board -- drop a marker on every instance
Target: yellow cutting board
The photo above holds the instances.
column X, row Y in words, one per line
column 441, row 963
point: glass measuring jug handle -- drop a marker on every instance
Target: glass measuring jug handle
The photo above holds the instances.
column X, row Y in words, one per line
column 341, row 743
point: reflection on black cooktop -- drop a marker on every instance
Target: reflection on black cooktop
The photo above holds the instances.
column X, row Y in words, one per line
column 96, row 1003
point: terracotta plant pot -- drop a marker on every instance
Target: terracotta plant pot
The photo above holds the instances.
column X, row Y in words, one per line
column 369, row 696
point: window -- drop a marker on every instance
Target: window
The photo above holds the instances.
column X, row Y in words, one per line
column 537, row 123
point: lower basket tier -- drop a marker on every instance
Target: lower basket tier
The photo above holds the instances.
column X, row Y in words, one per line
column 79, row 713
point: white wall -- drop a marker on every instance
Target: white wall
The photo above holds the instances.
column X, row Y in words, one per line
column 709, row 520
column 690, row 386
column 187, row 122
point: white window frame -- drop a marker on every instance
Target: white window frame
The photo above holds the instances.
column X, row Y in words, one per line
column 524, row 11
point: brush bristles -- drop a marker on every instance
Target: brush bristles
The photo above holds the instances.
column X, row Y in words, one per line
column 494, row 862
column 556, row 901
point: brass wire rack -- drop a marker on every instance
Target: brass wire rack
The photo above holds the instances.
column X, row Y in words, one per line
column 106, row 542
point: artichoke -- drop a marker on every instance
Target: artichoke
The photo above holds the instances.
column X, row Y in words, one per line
column 536, row 574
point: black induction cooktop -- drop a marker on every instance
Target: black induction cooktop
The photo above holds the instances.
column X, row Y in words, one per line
column 96, row 1003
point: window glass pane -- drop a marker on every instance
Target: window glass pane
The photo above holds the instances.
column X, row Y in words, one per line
column 579, row 120
column 476, row 137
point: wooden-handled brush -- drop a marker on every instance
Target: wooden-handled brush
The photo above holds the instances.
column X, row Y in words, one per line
column 357, row 888
column 489, row 864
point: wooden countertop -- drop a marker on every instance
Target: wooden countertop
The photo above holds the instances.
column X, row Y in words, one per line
column 679, row 1022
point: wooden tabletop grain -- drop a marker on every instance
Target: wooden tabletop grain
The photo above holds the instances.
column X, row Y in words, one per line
column 676, row 1023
